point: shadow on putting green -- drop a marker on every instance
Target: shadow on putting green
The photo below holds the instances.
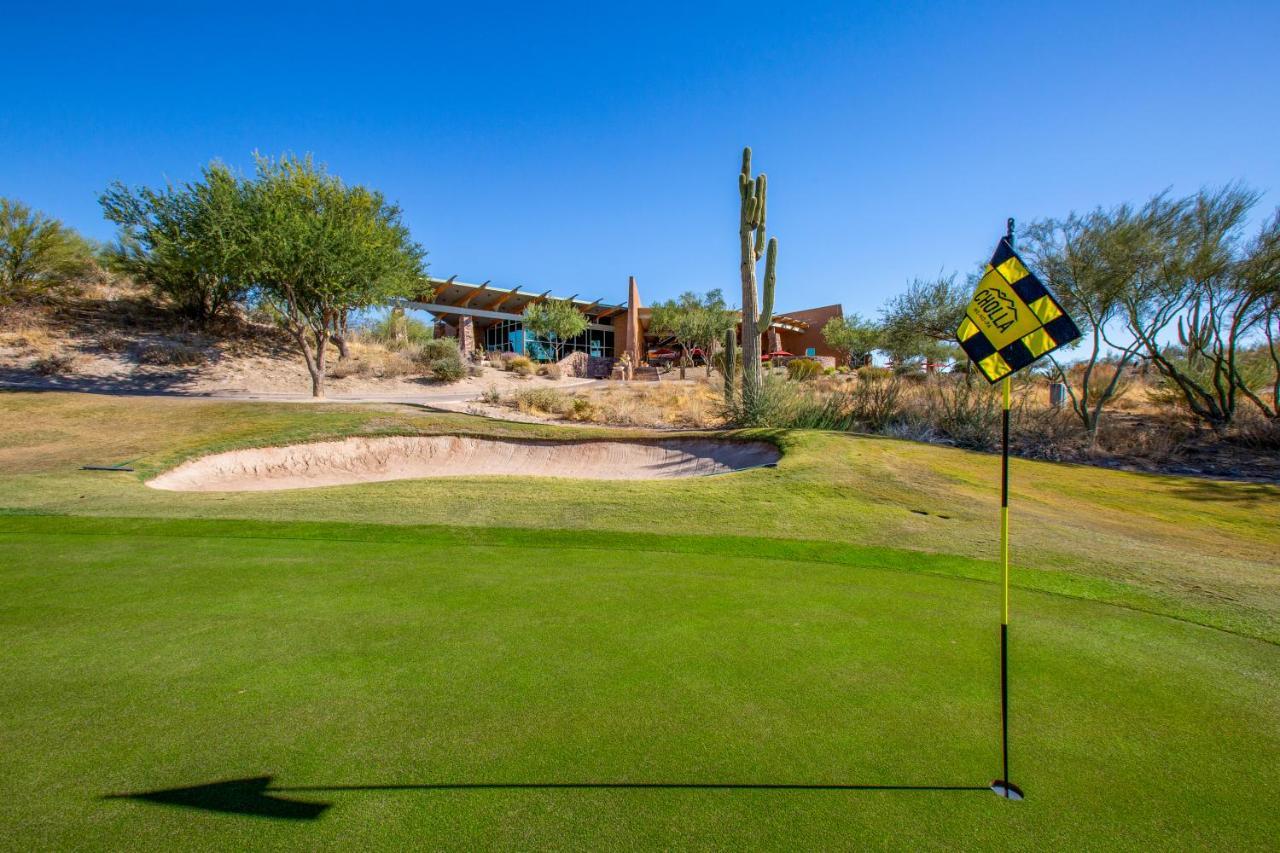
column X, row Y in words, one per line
column 256, row 796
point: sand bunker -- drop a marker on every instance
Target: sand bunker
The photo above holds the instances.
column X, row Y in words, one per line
column 367, row 460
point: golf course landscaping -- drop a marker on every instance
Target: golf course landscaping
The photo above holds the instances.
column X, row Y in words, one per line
column 798, row 656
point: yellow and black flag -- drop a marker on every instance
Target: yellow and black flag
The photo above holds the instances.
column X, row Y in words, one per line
column 1012, row 319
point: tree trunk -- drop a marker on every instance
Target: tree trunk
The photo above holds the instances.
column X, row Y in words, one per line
column 314, row 360
column 340, row 341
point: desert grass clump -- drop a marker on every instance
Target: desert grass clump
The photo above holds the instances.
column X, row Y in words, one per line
column 30, row 339
column 55, row 364
column 113, row 342
column 520, row 365
column 874, row 398
column 549, row 401
column 966, row 411
column 171, row 354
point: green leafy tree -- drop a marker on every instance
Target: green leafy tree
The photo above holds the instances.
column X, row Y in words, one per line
column 1091, row 263
column 557, row 320
column 854, row 337
column 924, row 315
column 694, row 321
column 1216, row 290
column 319, row 249
column 37, row 253
column 189, row 243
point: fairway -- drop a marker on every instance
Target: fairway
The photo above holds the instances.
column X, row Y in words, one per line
column 549, row 682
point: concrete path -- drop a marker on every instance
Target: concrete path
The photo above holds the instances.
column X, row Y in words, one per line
column 120, row 388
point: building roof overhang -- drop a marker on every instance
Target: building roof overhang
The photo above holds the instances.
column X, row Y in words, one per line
column 449, row 296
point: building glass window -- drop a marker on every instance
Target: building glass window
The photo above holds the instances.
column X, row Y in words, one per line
column 510, row 336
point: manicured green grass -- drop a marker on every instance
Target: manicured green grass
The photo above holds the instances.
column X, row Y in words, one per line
column 803, row 625
column 144, row 655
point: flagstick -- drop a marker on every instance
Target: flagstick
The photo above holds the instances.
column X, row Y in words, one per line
column 1003, row 786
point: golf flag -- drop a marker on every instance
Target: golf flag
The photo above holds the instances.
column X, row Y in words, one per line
column 1012, row 319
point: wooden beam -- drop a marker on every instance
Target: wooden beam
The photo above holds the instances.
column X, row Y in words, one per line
column 473, row 294
column 503, row 299
column 443, row 287
column 540, row 299
column 589, row 307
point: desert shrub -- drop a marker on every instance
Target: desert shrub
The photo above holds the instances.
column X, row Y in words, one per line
column 171, row 355
column 1159, row 438
column 475, row 371
column 1099, row 379
column 551, row 371
column 438, row 348
column 520, row 365
column 491, row 395
column 820, row 411
column 968, row 413
column 346, row 367
column 37, row 253
column 1047, row 433
column 803, row 369
column 829, row 371
column 582, row 409
column 400, row 364
column 55, row 364
column 874, row 398
column 412, row 352
column 498, row 360
column 448, row 369
column 545, row 400
column 113, row 342
column 1256, row 433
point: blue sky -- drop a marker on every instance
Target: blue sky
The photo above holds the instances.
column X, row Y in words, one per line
column 570, row 146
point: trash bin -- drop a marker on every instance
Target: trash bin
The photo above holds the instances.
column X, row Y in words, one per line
column 1057, row 395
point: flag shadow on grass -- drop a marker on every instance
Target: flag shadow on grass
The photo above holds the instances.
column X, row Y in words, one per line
column 255, row 795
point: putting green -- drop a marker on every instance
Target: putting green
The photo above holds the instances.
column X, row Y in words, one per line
column 143, row 655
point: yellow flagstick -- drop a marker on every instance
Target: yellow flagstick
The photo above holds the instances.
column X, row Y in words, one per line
column 1003, row 786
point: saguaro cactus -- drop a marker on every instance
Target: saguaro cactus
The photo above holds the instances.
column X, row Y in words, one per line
column 730, row 362
column 756, row 317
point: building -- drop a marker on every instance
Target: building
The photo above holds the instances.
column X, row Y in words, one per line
column 490, row 318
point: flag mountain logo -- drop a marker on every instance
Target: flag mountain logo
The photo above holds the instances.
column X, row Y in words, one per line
column 1012, row 320
column 1001, row 311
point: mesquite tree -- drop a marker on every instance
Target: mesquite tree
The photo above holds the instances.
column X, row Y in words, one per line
column 557, row 320
column 693, row 321
column 320, row 249
column 186, row 242
column 751, row 234
column 1217, row 294
column 36, row 252
column 853, row 337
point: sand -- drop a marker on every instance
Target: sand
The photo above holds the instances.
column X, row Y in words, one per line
column 369, row 460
